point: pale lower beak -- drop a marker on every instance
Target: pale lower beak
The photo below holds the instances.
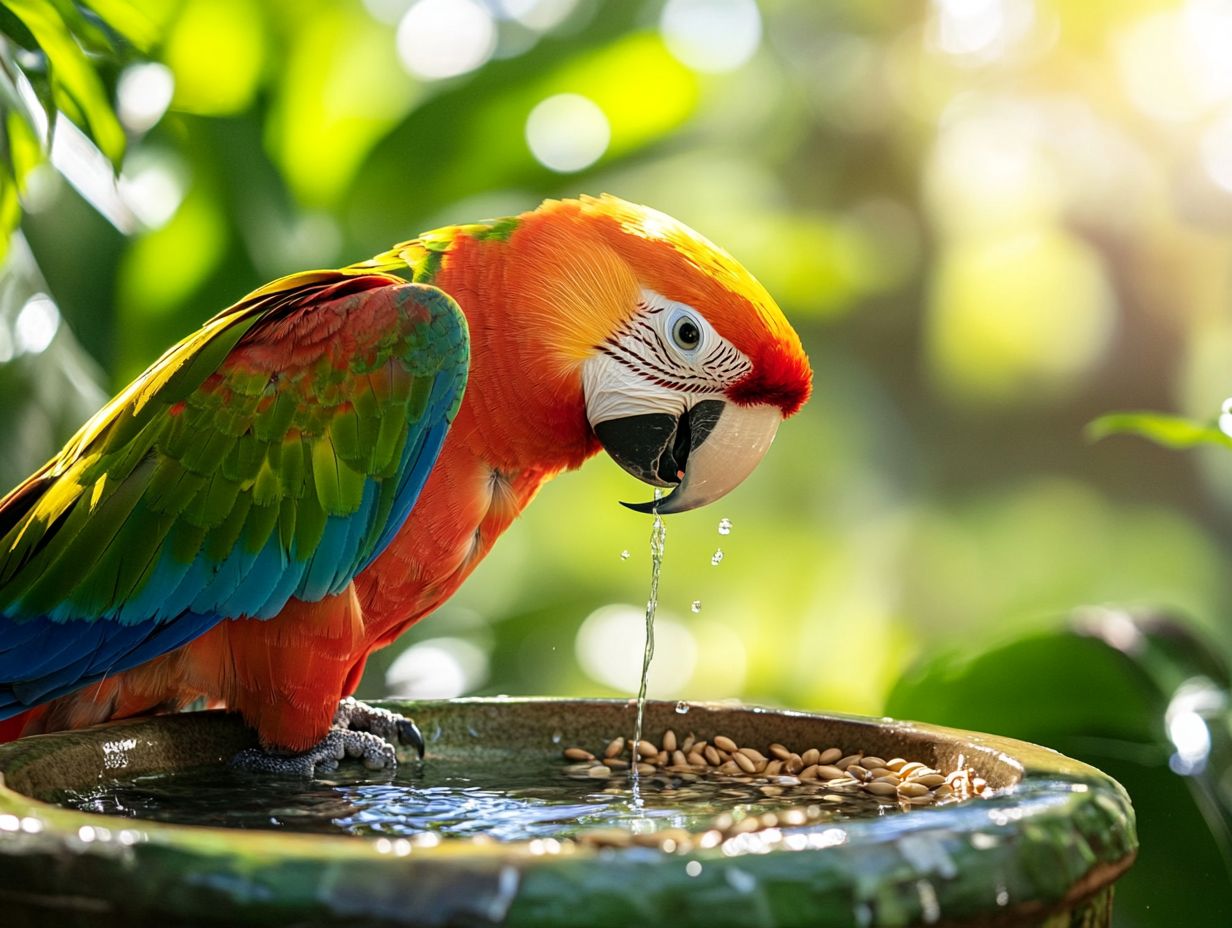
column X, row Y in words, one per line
column 718, row 457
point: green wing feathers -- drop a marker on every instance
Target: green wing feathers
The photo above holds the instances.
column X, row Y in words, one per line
column 272, row 454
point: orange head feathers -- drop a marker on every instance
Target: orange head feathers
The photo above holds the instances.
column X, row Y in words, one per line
column 604, row 251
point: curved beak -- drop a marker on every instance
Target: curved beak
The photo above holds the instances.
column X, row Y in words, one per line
column 704, row 453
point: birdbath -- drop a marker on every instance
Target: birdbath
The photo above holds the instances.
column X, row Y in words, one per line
column 1042, row 846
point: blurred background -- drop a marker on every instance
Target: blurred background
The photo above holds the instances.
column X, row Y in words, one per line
column 990, row 220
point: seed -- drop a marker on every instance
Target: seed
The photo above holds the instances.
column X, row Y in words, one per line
column 724, row 743
column 754, row 755
column 779, row 751
column 646, row 749
column 773, row 768
column 895, row 763
column 811, row 757
column 795, row 764
column 907, row 769
column 745, row 762
column 872, row 763
column 770, row 790
column 661, row 759
column 679, row 759
column 910, row 790
column 609, row 837
column 696, row 759
column 830, row 755
column 929, row 779
column 919, row 801
column 859, row 773
column 615, row 746
column 712, row 756
column 687, row 746
column 845, row 762
column 646, row 770
column 578, row 754
column 600, row 770
column 829, row 772
column 729, row 768
column 746, row 825
column 881, row 773
column 944, row 791
column 699, row 746
column 920, row 772
column 669, row 741
column 617, row 763
column 810, row 773
column 881, row 789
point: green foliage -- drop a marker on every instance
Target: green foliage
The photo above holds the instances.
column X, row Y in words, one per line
column 52, row 57
column 1101, row 691
column 1170, row 431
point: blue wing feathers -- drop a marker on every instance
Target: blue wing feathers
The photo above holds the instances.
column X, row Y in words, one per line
column 51, row 654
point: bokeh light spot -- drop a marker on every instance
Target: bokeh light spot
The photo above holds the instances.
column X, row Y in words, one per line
column 609, row 650
column 36, row 325
column 567, row 132
column 711, row 35
column 438, row 668
column 445, row 38
column 143, row 93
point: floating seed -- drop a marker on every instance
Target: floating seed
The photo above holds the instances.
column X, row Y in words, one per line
column 578, row 754
column 744, row 762
column 669, row 741
column 712, row 756
column 829, row 756
column 615, row 746
column 872, row 763
column 600, row 770
column 829, row 772
column 810, row 757
column 878, row 788
column 724, row 743
column 646, row 749
column 779, row 751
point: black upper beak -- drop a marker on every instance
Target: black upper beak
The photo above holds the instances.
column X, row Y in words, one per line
column 655, row 447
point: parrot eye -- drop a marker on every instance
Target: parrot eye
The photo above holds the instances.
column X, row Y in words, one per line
column 686, row 334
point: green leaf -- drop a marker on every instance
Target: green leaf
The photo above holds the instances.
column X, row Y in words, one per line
column 72, row 74
column 1169, row 431
column 141, row 27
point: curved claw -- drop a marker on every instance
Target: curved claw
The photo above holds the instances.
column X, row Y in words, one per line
column 409, row 733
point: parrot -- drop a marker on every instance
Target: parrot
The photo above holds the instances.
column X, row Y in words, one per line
column 324, row 462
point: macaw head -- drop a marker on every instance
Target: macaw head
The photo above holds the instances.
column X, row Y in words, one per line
column 687, row 365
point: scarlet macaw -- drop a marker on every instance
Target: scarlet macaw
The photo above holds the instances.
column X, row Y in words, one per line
column 323, row 463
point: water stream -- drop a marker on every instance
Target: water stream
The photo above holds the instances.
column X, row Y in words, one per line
column 658, row 538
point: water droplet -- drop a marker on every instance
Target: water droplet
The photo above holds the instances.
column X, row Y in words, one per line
column 557, row 737
column 696, row 606
column 716, row 557
column 682, row 707
column 724, row 526
column 624, row 555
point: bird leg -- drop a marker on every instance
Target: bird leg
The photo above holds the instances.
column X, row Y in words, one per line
column 359, row 730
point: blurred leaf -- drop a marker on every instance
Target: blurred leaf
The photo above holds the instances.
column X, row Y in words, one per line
column 75, row 83
column 141, row 26
column 1169, row 431
column 216, row 50
column 1100, row 693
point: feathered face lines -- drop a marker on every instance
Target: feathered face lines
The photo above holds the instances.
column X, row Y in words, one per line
column 672, row 347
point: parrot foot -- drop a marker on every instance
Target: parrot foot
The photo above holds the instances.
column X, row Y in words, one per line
column 377, row 754
column 359, row 730
column 397, row 729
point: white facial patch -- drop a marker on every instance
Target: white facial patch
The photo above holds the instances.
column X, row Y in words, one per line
column 663, row 360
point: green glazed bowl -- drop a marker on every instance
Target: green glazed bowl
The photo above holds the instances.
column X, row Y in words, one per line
column 1043, row 847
